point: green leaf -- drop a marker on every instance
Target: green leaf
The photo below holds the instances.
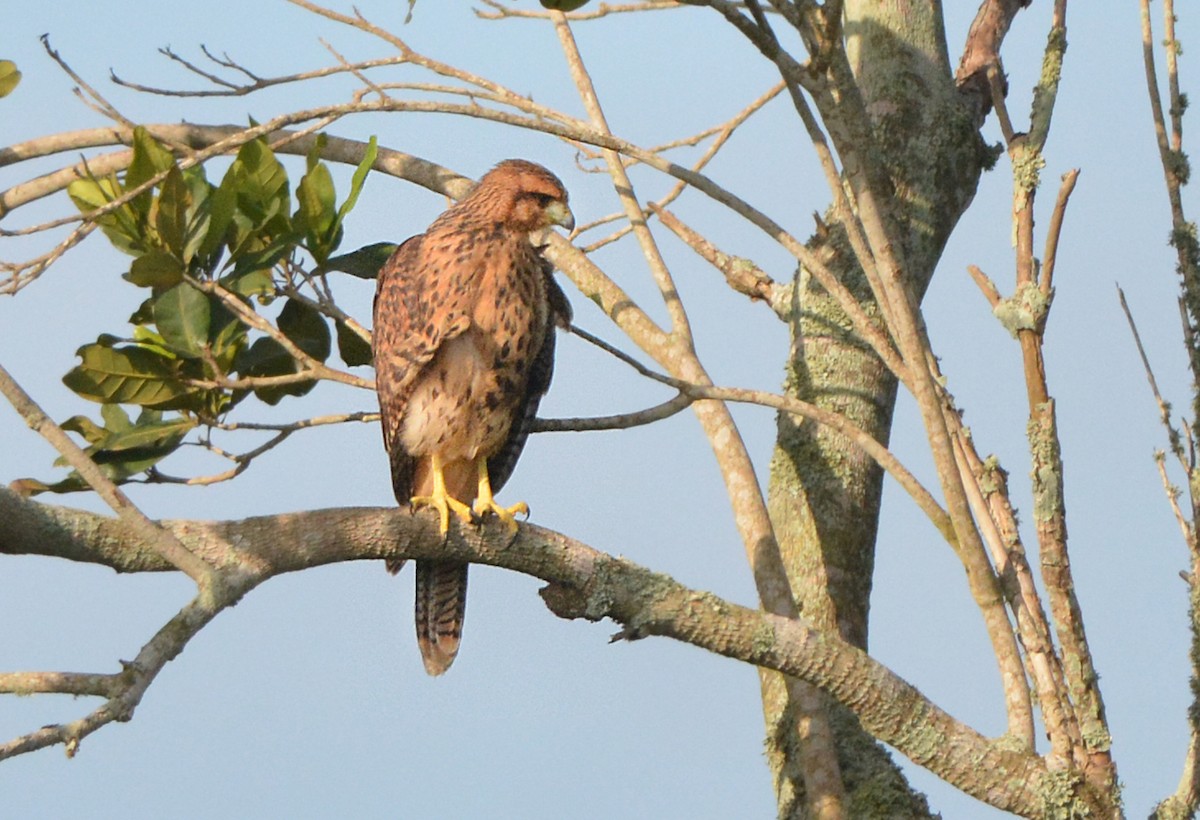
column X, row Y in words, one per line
column 121, row 448
column 28, row 487
column 121, row 226
column 197, row 215
column 313, row 158
column 255, row 283
column 115, row 417
column 261, row 260
column 153, row 341
column 182, row 315
column 144, row 314
column 9, row 77
column 351, row 347
column 171, row 218
column 356, row 183
column 228, row 343
column 267, row 357
column 260, row 181
column 149, row 160
column 364, row 262
column 155, row 269
column 128, row 375
column 90, row 193
column 222, row 205
column 315, row 218
column 85, row 427
column 307, row 328
column 147, row 435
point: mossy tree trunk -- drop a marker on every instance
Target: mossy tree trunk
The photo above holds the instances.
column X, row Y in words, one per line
column 824, row 491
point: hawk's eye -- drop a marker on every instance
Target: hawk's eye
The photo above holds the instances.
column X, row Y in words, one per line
column 543, row 200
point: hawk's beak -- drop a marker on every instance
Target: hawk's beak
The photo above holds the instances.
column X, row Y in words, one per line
column 557, row 213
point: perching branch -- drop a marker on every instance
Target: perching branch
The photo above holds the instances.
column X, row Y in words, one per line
column 583, row 583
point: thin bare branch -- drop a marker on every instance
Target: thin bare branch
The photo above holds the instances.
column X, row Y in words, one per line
column 620, row 421
column 1174, row 436
column 231, row 89
column 166, row 544
column 139, row 674
column 311, row 368
column 1050, row 256
column 97, row 102
column 741, row 274
column 365, row 416
column 982, row 49
column 723, row 131
column 21, row 274
column 623, row 186
column 66, row 683
column 986, row 285
column 999, row 87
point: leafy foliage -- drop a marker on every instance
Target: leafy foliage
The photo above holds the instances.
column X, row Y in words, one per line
column 210, row 256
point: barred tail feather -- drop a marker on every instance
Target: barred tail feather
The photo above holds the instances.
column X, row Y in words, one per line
column 441, row 603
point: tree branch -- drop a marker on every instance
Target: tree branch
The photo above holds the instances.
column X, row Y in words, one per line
column 982, row 50
column 584, row 583
column 162, row 542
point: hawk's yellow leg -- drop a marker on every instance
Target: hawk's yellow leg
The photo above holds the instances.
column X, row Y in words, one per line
column 485, row 502
column 441, row 500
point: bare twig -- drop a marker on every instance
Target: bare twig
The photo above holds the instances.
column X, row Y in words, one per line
column 982, row 49
column 311, row 368
column 1050, row 256
column 620, row 421
column 723, row 133
column 999, row 87
column 67, row 683
column 162, row 541
column 742, row 275
column 1164, row 408
column 365, row 416
column 22, row 273
column 986, row 285
column 97, row 102
column 622, row 184
column 129, row 688
column 230, row 89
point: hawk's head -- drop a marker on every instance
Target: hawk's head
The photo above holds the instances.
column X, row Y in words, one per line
column 524, row 196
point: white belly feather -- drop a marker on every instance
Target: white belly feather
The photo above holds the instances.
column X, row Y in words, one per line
column 447, row 411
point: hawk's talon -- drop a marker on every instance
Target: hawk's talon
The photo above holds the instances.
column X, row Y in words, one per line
column 485, row 502
column 442, row 501
column 507, row 515
column 444, row 504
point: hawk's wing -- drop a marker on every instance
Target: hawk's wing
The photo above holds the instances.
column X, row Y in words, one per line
column 501, row 465
column 418, row 305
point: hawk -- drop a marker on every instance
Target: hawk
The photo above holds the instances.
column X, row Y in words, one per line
column 464, row 349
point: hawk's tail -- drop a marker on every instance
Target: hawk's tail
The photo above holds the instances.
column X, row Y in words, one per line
column 441, row 604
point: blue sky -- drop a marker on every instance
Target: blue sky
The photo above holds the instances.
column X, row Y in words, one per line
column 308, row 699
